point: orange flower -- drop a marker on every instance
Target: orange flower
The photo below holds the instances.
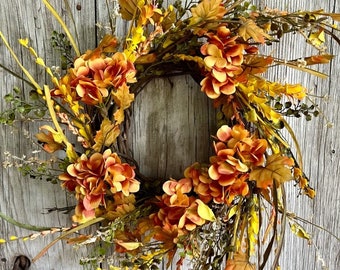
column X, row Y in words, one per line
column 251, row 151
column 85, row 178
column 118, row 71
column 120, row 176
column 82, row 214
column 175, row 193
column 237, row 153
column 172, row 186
column 238, row 188
column 92, row 76
column 178, row 212
column 223, row 60
column 88, row 179
column 201, row 181
column 88, row 91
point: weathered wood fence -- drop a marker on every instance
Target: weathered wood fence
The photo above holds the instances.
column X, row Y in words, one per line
column 168, row 133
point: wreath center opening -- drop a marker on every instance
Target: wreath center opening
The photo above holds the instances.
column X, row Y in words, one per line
column 171, row 126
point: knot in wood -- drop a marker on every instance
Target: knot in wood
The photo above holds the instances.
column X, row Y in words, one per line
column 21, row 262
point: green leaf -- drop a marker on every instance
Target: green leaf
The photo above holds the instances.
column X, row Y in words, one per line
column 8, row 97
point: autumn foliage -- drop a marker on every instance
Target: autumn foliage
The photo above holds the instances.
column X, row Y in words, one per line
column 214, row 213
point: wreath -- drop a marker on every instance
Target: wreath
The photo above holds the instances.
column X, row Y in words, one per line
column 214, row 213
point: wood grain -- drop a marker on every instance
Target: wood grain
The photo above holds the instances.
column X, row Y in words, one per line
column 168, row 133
column 320, row 145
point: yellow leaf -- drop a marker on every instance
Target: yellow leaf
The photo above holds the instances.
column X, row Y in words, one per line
column 298, row 230
column 204, row 211
column 58, row 138
column 197, row 59
column 119, row 116
column 310, row 192
column 129, row 245
column 119, row 268
column 33, row 52
column 317, row 38
column 2, row 241
column 169, row 18
column 253, row 226
column 278, row 168
column 318, row 59
column 255, row 64
column 70, row 152
column 232, row 211
column 304, row 69
column 146, row 59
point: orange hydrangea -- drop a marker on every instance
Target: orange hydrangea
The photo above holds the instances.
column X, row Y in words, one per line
column 227, row 176
column 223, row 60
column 178, row 211
column 93, row 75
column 92, row 178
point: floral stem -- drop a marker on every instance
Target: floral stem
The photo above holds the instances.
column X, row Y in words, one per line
column 73, row 230
column 23, row 225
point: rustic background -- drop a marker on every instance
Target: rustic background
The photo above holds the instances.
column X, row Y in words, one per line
column 168, row 133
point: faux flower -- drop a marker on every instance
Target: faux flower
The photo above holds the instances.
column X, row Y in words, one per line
column 179, row 212
column 91, row 179
column 92, row 77
column 213, row 212
column 223, row 60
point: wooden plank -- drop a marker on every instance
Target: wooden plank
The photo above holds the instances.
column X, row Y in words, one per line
column 320, row 146
column 22, row 198
column 169, row 127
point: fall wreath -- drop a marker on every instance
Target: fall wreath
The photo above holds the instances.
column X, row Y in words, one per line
column 214, row 213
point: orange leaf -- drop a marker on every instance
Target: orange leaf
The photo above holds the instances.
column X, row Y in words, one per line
column 278, row 168
column 119, row 116
column 207, row 10
column 49, row 144
column 240, row 261
column 107, row 135
column 249, row 29
column 255, row 64
column 318, row 59
column 128, row 8
column 122, row 97
column 79, row 239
